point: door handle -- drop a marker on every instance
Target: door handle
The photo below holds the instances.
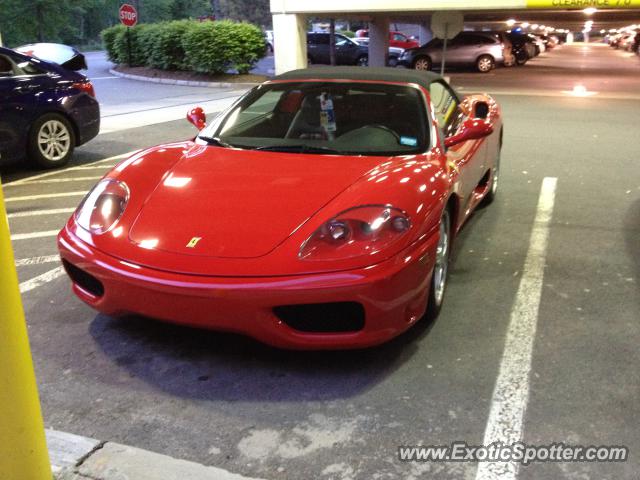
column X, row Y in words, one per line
column 24, row 88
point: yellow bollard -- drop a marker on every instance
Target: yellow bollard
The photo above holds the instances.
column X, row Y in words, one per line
column 23, row 448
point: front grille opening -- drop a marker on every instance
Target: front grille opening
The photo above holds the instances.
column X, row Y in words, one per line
column 84, row 280
column 338, row 317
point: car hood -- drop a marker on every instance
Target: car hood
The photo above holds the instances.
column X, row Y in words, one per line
column 63, row 55
column 228, row 203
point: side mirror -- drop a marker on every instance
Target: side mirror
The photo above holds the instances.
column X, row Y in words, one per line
column 481, row 110
column 197, row 118
column 471, row 130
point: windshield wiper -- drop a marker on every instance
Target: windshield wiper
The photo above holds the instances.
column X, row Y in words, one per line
column 299, row 149
column 215, row 141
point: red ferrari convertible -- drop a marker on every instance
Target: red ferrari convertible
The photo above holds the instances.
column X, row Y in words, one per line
column 317, row 212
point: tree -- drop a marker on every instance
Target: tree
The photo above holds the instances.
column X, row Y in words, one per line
column 252, row 11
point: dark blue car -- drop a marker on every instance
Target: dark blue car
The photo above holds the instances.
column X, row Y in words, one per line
column 46, row 109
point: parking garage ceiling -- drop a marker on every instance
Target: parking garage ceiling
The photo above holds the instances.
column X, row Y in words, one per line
column 568, row 19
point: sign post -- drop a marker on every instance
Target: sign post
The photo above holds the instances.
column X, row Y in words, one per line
column 446, row 25
column 129, row 18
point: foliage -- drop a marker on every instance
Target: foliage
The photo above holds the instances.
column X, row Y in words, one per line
column 215, row 47
column 109, row 41
column 252, row 11
column 79, row 22
column 206, row 47
column 347, row 33
column 133, row 36
column 164, row 49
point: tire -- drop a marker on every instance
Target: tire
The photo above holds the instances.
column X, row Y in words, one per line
column 440, row 272
column 362, row 61
column 51, row 141
column 393, row 62
column 309, row 60
column 485, row 63
column 521, row 58
column 494, row 179
column 423, row 64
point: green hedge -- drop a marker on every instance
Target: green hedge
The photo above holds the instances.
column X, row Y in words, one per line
column 206, row 47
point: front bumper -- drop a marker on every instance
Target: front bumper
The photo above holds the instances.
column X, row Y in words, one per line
column 393, row 295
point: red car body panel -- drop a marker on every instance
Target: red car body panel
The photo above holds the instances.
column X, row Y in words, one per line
column 253, row 211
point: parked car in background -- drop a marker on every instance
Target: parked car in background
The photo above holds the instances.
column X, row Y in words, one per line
column 268, row 39
column 539, row 43
column 396, row 39
column 482, row 50
column 348, row 52
column 626, row 41
column 523, row 47
column 64, row 55
column 46, row 109
column 394, row 52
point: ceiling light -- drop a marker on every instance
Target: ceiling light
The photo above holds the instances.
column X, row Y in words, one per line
column 590, row 11
column 511, row 22
column 524, row 24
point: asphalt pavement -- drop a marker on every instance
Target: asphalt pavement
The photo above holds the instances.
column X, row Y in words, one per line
column 224, row 400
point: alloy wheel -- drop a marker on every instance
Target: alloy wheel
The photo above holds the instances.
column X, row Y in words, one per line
column 441, row 268
column 422, row 64
column 54, row 140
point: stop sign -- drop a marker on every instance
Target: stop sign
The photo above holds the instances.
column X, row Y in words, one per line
column 128, row 15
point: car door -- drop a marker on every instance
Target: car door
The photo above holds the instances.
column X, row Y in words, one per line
column 465, row 159
column 19, row 88
column 318, row 47
column 12, row 118
column 346, row 51
column 455, row 50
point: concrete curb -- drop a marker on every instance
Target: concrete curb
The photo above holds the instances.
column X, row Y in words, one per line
column 74, row 457
column 187, row 83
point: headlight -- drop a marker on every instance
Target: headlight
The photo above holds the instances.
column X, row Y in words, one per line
column 357, row 232
column 103, row 206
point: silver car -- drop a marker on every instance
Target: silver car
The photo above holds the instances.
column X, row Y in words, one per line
column 484, row 50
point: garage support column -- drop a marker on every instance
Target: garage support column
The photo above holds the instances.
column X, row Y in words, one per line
column 424, row 34
column 290, row 41
column 379, row 42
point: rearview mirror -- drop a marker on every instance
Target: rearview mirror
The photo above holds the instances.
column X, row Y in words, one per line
column 471, row 130
column 197, row 118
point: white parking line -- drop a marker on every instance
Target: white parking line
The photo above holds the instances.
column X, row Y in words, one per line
column 40, row 280
column 44, row 195
column 58, row 180
column 90, row 167
column 37, row 260
column 511, row 393
column 58, row 172
column 35, row 213
column 29, row 236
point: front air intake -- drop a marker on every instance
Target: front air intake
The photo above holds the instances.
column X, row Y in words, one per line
column 338, row 317
column 84, row 280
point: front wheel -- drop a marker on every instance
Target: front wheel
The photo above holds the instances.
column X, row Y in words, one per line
column 495, row 177
column 485, row 63
column 422, row 63
column 441, row 267
column 51, row 141
column 362, row 61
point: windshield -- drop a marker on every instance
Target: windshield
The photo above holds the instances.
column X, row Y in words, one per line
column 325, row 117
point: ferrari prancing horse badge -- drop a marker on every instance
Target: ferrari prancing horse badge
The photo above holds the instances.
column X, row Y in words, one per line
column 193, row 242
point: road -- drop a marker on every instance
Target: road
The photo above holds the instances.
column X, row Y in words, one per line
column 228, row 401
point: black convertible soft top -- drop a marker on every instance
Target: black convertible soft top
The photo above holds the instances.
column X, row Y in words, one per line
column 381, row 74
